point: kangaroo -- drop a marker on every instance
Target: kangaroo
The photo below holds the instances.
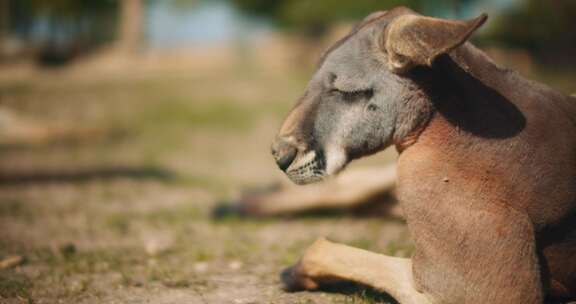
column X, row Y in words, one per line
column 486, row 172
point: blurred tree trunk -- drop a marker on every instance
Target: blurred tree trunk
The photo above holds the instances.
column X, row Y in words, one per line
column 457, row 7
column 130, row 26
column 4, row 24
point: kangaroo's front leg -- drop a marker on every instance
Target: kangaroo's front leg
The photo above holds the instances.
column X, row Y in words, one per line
column 475, row 254
column 327, row 262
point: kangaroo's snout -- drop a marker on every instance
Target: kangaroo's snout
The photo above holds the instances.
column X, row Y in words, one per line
column 284, row 152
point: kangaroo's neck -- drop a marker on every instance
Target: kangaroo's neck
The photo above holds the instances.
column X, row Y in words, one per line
column 480, row 66
column 467, row 92
column 477, row 96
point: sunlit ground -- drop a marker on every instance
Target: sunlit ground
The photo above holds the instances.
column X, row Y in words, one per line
column 113, row 203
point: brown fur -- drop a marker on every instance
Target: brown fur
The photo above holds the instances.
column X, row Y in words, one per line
column 487, row 180
column 510, row 189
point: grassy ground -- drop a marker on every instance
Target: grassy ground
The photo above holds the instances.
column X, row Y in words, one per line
column 122, row 213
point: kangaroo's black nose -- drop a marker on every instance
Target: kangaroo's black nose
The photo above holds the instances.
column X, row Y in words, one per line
column 284, row 153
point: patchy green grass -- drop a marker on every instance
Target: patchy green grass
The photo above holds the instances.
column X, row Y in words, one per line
column 86, row 240
column 16, row 88
column 365, row 296
column 365, row 243
column 289, row 254
column 204, row 181
column 399, row 248
column 218, row 114
column 13, row 285
column 68, row 262
column 15, row 209
column 121, row 222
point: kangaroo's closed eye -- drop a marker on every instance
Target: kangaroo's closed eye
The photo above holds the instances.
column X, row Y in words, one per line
column 347, row 90
column 353, row 95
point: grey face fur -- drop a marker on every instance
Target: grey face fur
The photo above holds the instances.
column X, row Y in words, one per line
column 358, row 101
column 354, row 105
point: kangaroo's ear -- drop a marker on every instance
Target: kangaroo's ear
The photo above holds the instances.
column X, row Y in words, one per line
column 411, row 40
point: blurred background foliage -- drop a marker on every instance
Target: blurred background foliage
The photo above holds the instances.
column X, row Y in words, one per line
column 539, row 26
column 83, row 20
column 314, row 17
column 542, row 27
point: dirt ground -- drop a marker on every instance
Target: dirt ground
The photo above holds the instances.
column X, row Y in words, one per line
column 109, row 177
column 107, row 190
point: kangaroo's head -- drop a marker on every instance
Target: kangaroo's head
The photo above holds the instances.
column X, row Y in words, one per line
column 362, row 97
